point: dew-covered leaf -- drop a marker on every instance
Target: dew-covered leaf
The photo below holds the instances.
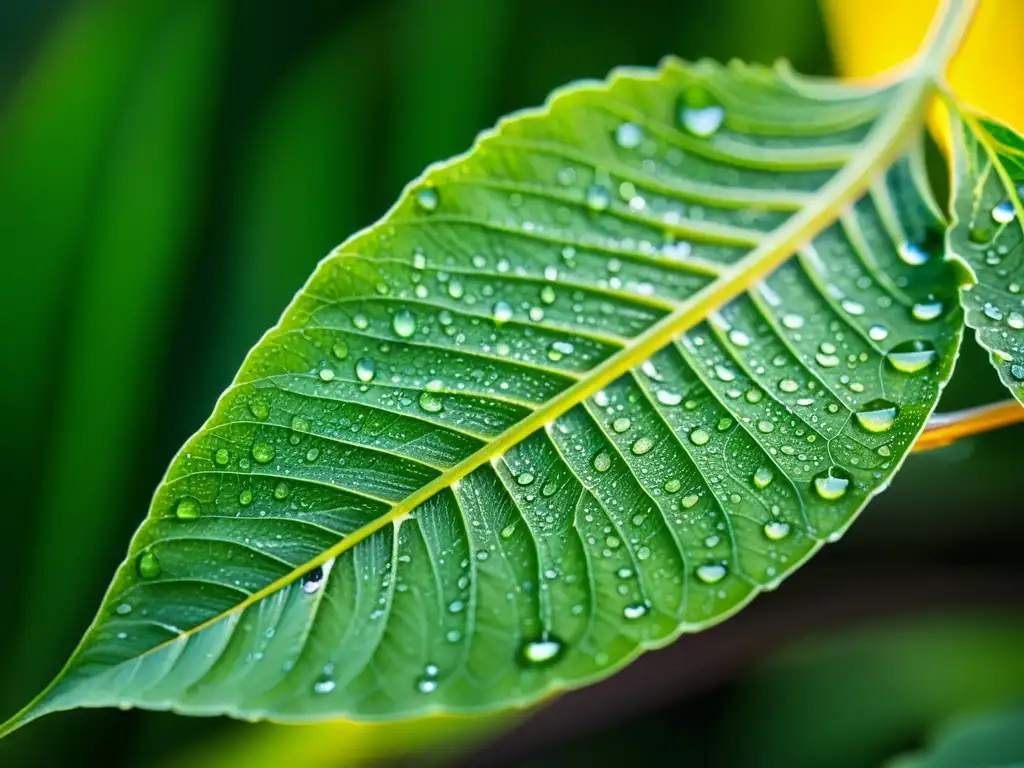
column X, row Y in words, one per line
column 598, row 382
column 988, row 236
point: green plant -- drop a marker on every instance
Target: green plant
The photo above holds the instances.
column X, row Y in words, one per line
column 602, row 380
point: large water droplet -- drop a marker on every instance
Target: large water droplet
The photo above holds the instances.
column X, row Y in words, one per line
column 711, row 573
column 699, row 114
column 263, row 452
column 699, row 437
column 602, row 462
column 1004, row 212
column 340, row 350
column 832, row 484
column 404, row 323
column 221, row 457
column 430, row 402
column 598, row 197
column 621, row 424
column 187, row 508
column 324, row 685
column 878, row 332
column 913, row 254
column 427, row 199
column 634, row 611
column 669, row 398
column 559, row 350
column 641, row 446
column 545, row 650
column 912, row 356
column 502, row 312
column 763, row 477
column 149, row 565
column 776, row 530
column 365, row 369
column 313, row 580
column 877, row 416
column 926, row 311
column 628, row 135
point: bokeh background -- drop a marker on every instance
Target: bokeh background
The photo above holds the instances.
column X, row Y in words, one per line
column 170, row 173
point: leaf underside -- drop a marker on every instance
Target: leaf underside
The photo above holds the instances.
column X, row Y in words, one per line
column 988, row 236
column 454, row 423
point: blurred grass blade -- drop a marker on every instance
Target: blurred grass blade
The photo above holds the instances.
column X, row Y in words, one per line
column 601, row 380
column 989, row 740
column 988, row 237
column 143, row 201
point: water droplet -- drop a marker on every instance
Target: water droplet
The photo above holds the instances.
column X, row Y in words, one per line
column 878, row 332
column 711, row 573
column 621, row 424
column 788, row 385
column 545, row 650
column 912, row 356
column 426, row 684
column 724, row 373
column 547, row 294
column 699, row 114
column 672, row 485
column 313, row 580
column 602, row 462
column 992, row 312
column 793, row 321
column 877, row 416
column 913, row 254
column 764, row 426
column 455, row 289
column 508, row 530
column 524, row 478
column 634, row 611
column 427, row 199
column 832, row 484
column 323, row 685
column 245, row 498
column 365, row 370
column 699, row 437
column 689, row 501
column 1004, row 212
column 326, row 374
column 763, row 477
column 826, row 360
column 1015, row 320
column 502, row 312
column 641, row 446
column 559, row 349
column 926, row 311
column 221, row 456
column 629, row 135
column 281, row 490
column 852, row 307
column 340, row 350
column 404, row 323
column 149, row 565
column 123, row 609
column 739, row 338
column 598, row 197
column 669, row 398
column 776, row 530
column 430, row 402
column 187, row 508
column 262, row 452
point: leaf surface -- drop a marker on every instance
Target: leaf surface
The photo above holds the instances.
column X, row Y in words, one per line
column 988, row 236
column 598, row 382
column 988, row 740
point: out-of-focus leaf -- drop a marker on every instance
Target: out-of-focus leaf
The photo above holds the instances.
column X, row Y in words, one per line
column 988, row 237
column 435, row 739
column 129, row 257
column 871, row 36
column 989, row 740
column 856, row 697
column 603, row 379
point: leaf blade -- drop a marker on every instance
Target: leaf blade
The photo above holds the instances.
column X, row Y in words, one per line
column 442, row 460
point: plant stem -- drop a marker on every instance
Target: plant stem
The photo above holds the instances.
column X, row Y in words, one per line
column 946, row 428
column 946, row 35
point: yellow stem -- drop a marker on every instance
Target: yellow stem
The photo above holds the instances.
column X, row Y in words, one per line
column 946, row 428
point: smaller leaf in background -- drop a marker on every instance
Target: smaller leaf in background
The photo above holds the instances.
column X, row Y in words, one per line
column 989, row 740
column 987, row 235
column 342, row 744
column 871, row 36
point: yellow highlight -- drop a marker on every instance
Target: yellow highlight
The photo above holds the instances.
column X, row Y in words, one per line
column 871, row 36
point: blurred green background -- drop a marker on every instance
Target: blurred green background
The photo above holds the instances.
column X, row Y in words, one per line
column 170, row 173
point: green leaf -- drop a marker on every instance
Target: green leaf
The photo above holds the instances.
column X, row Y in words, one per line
column 599, row 382
column 988, row 237
column 988, row 740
